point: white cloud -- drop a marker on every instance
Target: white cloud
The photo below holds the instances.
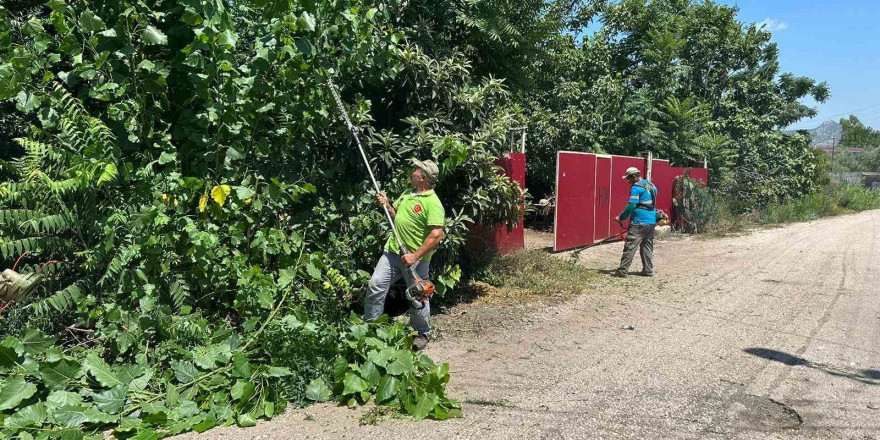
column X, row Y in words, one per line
column 770, row 24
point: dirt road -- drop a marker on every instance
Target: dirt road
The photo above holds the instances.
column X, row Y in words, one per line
column 774, row 335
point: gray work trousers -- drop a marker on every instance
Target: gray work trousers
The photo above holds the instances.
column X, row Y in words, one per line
column 641, row 238
column 386, row 273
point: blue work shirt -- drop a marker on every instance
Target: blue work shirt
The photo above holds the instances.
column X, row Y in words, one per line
column 641, row 216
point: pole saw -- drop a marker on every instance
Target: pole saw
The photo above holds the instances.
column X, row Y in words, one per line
column 418, row 291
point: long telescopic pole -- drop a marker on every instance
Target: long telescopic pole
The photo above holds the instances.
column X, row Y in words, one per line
column 354, row 133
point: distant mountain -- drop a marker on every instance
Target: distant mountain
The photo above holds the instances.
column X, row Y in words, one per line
column 824, row 134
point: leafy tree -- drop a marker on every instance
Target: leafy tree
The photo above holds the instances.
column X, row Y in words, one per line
column 857, row 135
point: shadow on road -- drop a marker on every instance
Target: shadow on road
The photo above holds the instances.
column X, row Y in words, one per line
column 870, row 377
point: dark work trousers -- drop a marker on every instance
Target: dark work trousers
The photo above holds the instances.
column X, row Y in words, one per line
column 641, row 238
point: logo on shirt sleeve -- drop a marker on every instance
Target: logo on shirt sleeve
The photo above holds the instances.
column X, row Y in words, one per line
column 417, row 209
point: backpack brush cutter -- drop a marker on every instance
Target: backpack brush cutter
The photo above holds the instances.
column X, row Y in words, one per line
column 418, row 291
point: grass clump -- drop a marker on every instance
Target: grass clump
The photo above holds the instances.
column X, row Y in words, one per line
column 835, row 200
column 536, row 272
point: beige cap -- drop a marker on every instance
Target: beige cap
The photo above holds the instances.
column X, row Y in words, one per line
column 630, row 171
column 429, row 168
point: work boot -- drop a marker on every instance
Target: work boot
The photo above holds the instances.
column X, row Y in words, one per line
column 420, row 341
column 619, row 273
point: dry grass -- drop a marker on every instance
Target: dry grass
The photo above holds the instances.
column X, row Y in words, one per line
column 537, row 274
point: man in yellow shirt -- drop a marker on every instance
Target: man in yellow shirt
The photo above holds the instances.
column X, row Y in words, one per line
column 419, row 218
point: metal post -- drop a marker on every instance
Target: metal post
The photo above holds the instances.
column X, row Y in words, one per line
column 832, row 156
column 512, row 144
column 649, row 166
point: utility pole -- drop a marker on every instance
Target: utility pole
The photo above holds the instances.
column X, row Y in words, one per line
column 513, row 132
column 832, row 156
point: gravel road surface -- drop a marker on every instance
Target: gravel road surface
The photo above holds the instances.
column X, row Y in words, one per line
column 773, row 335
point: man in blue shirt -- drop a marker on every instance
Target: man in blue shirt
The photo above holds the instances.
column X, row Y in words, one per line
column 642, row 212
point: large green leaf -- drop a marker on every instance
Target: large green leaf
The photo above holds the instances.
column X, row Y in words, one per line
column 425, row 406
column 240, row 366
column 102, row 372
column 184, row 371
column 148, row 434
column 70, row 415
column 381, row 357
column 306, row 21
column 60, row 398
column 388, row 388
column 228, row 38
column 89, row 22
column 277, row 372
column 318, row 391
column 27, row 102
column 370, row 373
column 129, row 373
column 32, row 415
column 56, row 375
column 8, row 358
column 242, row 390
column 153, row 36
column 77, row 415
column 246, row 420
column 14, row 390
column 187, row 408
column 402, row 364
column 36, row 342
column 68, row 434
column 112, row 400
column 354, row 384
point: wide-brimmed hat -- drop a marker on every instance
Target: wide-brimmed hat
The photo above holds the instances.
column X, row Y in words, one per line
column 630, row 171
column 429, row 168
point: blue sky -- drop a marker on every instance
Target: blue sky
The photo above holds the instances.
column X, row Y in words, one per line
column 837, row 41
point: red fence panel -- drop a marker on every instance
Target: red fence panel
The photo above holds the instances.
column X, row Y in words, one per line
column 619, row 186
column 496, row 237
column 514, row 165
column 662, row 178
column 575, row 199
column 700, row 174
column 603, row 198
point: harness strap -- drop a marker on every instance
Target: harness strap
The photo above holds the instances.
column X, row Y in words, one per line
column 648, row 186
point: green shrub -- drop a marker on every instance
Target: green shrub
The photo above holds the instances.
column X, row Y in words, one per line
column 698, row 208
column 833, row 201
column 857, row 198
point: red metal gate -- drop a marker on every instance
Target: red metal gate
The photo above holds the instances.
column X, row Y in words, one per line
column 662, row 177
column 514, row 165
column 591, row 192
column 497, row 238
column 620, row 188
column 575, row 199
column 603, row 198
